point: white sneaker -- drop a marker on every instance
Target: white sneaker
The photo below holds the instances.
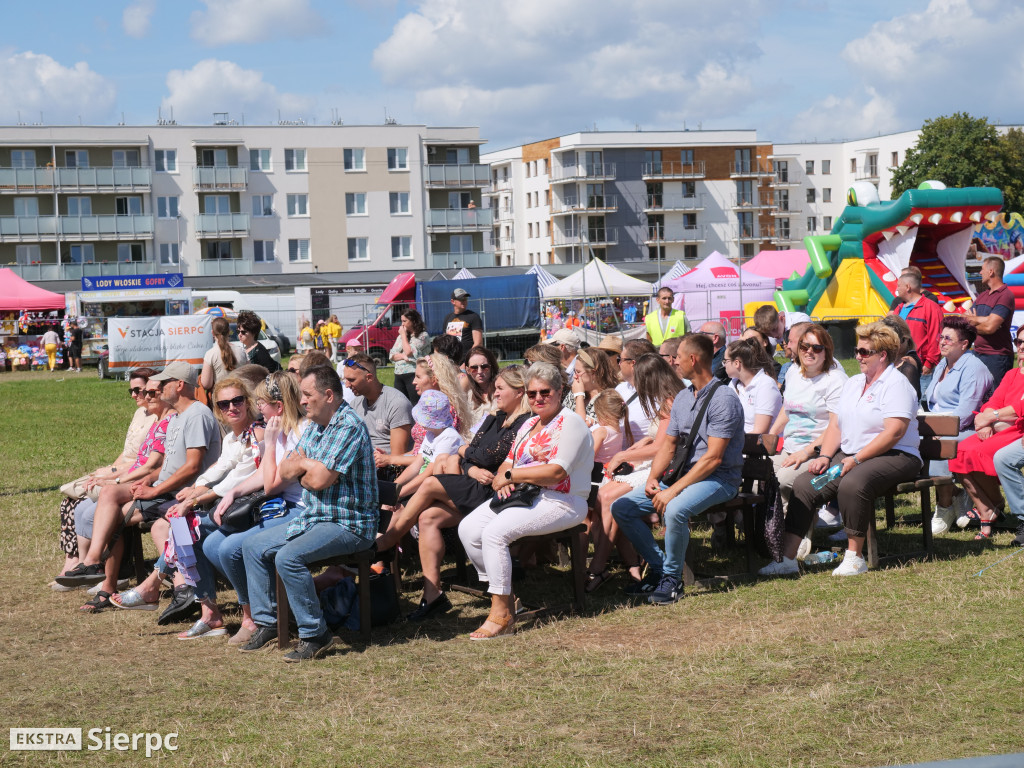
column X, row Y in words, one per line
column 839, row 536
column 804, row 549
column 942, row 519
column 852, row 565
column 121, row 584
column 788, row 567
column 829, row 518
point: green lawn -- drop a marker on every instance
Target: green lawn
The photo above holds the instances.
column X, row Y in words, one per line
column 904, row 665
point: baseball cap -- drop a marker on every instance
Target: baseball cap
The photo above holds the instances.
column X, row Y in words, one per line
column 179, row 370
column 353, row 343
column 460, row 294
column 566, row 337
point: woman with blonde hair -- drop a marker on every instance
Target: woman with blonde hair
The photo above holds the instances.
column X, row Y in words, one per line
column 594, row 374
column 222, row 358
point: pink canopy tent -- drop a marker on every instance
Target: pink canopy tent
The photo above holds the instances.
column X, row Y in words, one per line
column 17, row 294
column 779, row 264
column 711, row 291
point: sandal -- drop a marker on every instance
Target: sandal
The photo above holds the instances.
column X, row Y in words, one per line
column 595, row 580
column 982, row 534
column 507, row 627
column 132, row 601
column 99, row 603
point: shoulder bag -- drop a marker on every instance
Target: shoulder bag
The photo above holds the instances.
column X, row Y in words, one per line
column 677, row 467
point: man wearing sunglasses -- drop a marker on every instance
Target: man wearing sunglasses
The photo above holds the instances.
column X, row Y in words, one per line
column 386, row 411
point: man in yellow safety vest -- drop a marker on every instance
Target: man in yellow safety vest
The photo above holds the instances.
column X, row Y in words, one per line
column 665, row 322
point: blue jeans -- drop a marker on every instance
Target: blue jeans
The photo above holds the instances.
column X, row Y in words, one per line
column 223, row 548
column 269, row 548
column 631, row 511
column 1009, row 460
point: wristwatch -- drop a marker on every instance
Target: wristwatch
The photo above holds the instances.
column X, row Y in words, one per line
column 117, row 481
column 508, row 475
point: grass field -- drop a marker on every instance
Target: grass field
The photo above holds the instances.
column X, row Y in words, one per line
column 904, row 665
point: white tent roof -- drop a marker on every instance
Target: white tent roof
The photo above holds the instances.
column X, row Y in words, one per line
column 463, row 274
column 544, row 278
column 597, row 279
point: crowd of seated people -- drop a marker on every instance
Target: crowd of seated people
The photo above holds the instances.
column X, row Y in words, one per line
column 623, row 437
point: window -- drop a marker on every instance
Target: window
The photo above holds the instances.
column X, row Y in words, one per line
column 826, row 167
column 457, row 200
column 782, row 196
column 127, row 252
column 76, row 158
column 460, row 156
column 217, row 204
column 168, row 253
column 746, row 224
column 398, row 159
column 79, row 206
column 23, row 158
column 811, row 195
column 26, row 206
column 295, row 159
column 826, row 223
column 213, row 158
column 126, row 158
column 547, row 197
column 298, row 250
column 217, row 249
column 742, row 159
column 812, row 223
column 166, row 160
column 357, row 249
column 686, row 156
column 167, row 207
column 298, row 205
column 355, row 159
column 747, row 250
column 689, row 189
column 809, row 167
column 460, row 244
column 399, row 202
column 355, row 203
column 853, row 165
column 82, row 253
column 128, row 206
column 690, row 252
column 872, row 165
column 263, row 250
column 652, row 161
column 262, row 205
column 782, row 170
column 689, row 221
column 782, row 229
column 894, row 163
column 28, row 254
column 826, row 195
column 401, row 247
column 259, row 160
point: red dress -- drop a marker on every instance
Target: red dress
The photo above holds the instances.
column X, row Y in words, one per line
column 974, row 455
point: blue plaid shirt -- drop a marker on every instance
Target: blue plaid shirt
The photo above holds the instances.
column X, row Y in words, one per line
column 343, row 446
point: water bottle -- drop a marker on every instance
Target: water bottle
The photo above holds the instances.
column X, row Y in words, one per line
column 821, row 558
column 819, row 482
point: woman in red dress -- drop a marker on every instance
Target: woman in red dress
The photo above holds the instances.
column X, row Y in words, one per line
column 999, row 423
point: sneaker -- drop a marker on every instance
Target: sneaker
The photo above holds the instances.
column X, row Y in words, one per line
column 943, row 518
column 313, row 648
column 182, row 606
column 668, row 591
column 646, row 585
column 440, row 604
column 122, row 584
column 852, row 565
column 804, row 549
column 829, row 517
column 261, row 638
column 788, row 567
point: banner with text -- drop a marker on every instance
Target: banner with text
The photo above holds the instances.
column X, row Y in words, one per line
column 155, row 341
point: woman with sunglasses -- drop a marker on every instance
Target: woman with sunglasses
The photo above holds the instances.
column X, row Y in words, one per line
column 412, row 343
column 811, row 405
column 249, row 327
column 553, row 450
column 872, row 445
column 750, row 369
column 478, row 383
column 999, row 422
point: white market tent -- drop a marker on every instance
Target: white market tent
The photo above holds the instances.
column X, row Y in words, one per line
column 712, row 291
column 596, row 279
column 463, row 274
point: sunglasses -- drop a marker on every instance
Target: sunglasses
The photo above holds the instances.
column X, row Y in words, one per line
column 861, row 352
column 484, row 367
column 627, row 359
column 533, row 394
column 151, row 394
column 134, row 391
column 815, row 348
column 293, row 370
column 350, row 363
column 1019, row 343
column 234, row 402
column 668, row 357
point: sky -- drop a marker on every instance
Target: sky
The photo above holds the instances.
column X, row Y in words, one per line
column 520, row 70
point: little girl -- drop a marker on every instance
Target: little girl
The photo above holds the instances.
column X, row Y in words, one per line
column 433, row 413
column 610, row 410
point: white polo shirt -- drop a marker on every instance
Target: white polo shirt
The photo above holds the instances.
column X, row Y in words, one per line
column 760, row 397
column 861, row 413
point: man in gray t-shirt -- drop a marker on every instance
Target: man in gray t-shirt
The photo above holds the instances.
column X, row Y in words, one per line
column 386, row 411
column 711, row 475
column 195, row 428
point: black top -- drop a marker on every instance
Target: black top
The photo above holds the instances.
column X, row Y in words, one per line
column 910, row 366
column 76, row 337
column 465, row 323
column 259, row 356
column 718, row 366
column 492, row 441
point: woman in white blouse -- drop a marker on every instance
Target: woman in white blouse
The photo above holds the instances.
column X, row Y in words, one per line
column 747, row 364
column 553, row 450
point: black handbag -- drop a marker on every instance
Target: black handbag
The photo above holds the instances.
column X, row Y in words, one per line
column 523, row 495
column 244, row 511
column 677, row 467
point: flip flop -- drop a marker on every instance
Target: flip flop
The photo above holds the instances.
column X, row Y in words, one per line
column 202, row 629
column 132, row 601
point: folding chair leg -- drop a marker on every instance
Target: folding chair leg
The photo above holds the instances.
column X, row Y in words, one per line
column 890, row 511
column 282, row 613
column 578, row 553
column 364, row 600
column 926, row 522
column 872, row 543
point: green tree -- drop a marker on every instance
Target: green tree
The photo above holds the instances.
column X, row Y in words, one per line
column 958, row 150
column 1012, row 145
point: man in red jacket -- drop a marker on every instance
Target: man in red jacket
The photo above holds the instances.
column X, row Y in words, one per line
column 925, row 320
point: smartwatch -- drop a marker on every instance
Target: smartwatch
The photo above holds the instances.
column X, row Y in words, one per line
column 508, row 475
column 816, row 450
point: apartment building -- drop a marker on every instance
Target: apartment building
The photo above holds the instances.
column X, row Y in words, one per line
column 232, row 200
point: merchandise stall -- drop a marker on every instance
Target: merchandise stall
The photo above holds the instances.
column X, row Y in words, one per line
column 596, row 301
column 26, row 313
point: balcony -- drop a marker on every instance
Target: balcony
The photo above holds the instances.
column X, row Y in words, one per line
column 751, row 202
column 668, row 171
column 753, row 234
column 459, row 219
column 788, row 207
column 784, row 179
column 230, row 267
column 667, row 203
column 783, row 236
column 505, row 244
column 457, row 176
column 222, row 225
column 674, row 235
column 504, row 213
column 43, row 272
column 750, row 170
column 586, row 205
column 868, row 173
column 80, row 180
column 583, row 172
column 498, row 186
column 459, row 259
column 219, row 179
column 571, row 237
column 22, row 229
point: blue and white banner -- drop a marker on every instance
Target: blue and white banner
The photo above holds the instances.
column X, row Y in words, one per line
column 154, row 342
column 122, row 282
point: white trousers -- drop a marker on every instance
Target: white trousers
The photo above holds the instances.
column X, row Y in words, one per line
column 486, row 535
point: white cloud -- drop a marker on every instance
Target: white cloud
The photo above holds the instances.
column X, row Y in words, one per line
column 252, row 21
column 213, row 85
column 137, row 16
column 866, row 114
column 34, row 83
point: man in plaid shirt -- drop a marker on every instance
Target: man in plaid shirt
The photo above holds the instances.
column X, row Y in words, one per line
column 334, row 464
